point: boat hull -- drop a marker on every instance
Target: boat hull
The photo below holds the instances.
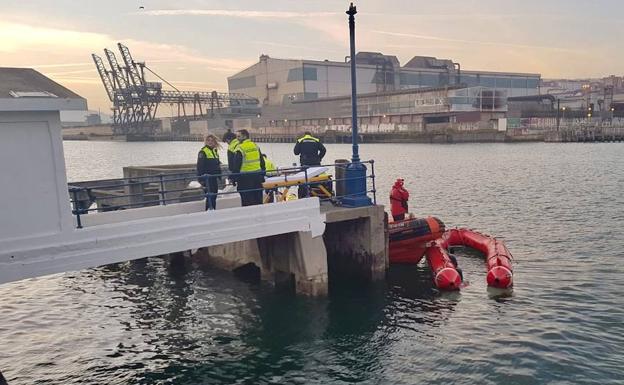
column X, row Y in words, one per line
column 408, row 238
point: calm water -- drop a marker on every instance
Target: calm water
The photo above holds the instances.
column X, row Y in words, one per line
column 560, row 207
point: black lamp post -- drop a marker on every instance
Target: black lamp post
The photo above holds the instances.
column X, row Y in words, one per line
column 356, row 171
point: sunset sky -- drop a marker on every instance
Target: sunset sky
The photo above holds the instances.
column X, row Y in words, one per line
column 197, row 44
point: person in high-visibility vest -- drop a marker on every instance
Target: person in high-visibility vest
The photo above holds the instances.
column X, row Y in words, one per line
column 271, row 170
column 311, row 152
column 208, row 163
column 250, row 164
column 269, row 167
column 230, row 138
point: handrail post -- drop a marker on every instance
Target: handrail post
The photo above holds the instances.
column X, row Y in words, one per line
column 77, row 209
column 307, row 185
column 163, row 200
column 372, row 162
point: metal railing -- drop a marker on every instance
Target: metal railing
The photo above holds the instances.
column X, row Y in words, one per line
column 163, row 189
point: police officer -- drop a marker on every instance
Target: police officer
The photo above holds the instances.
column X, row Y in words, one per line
column 310, row 150
column 208, row 164
column 249, row 163
column 230, row 138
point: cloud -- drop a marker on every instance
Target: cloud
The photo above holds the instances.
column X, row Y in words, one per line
column 235, row 13
column 464, row 41
column 16, row 37
column 23, row 44
column 324, row 22
column 293, row 46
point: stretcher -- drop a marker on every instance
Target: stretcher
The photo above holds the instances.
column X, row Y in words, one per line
column 280, row 185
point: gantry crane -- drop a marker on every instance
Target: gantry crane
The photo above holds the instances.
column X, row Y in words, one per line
column 135, row 100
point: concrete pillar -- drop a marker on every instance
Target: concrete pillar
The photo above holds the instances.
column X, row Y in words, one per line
column 356, row 242
column 292, row 259
column 297, row 256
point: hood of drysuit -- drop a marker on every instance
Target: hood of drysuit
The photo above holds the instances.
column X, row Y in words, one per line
column 398, row 183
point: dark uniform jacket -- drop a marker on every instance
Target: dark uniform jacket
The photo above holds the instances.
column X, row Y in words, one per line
column 310, row 150
column 208, row 165
column 231, row 154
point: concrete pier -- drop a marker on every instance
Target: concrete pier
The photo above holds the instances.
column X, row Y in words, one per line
column 353, row 246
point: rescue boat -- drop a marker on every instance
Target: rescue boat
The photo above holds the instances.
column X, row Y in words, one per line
column 497, row 256
column 408, row 238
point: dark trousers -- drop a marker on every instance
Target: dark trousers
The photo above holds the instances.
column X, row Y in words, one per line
column 213, row 187
column 253, row 181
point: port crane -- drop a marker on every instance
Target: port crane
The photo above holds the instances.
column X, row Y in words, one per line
column 135, row 100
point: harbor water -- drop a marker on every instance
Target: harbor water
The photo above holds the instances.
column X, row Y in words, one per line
column 559, row 207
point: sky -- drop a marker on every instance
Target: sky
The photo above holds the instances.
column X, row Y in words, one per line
column 197, row 44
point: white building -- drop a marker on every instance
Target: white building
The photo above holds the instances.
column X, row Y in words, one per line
column 280, row 81
column 31, row 155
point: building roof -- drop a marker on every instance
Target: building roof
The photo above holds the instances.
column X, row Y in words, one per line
column 420, row 90
column 23, row 89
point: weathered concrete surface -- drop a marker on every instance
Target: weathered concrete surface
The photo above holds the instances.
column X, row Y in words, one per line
column 355, row 241
column 294, row 258
column 354, row 244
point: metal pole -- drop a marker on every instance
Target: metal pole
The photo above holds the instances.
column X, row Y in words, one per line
column 77, row 209
column 354, row 119
column 558, row 110
column 163, row 200
column 372, row 162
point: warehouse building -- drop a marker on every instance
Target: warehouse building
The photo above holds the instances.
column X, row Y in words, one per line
column 278, row 82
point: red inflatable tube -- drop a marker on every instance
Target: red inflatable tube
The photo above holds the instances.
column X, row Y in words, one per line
column 497, row 257
column 445, row 274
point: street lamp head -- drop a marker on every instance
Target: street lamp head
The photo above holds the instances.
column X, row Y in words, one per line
column 352, row 10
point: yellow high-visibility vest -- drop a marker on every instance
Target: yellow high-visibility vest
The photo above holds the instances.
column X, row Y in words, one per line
column 251, row 156
column 308, row 137
column 233, row 145
column 268, row 165
column 211, row 153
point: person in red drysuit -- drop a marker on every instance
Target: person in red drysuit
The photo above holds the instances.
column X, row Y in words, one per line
column 398, row 200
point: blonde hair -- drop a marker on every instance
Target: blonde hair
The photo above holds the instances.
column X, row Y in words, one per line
column 212, row 136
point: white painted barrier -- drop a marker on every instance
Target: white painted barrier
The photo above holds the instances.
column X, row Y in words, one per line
column 123, row 241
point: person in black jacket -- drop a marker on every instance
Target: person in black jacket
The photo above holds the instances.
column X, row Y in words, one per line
column 310, row 150
column 208, row 163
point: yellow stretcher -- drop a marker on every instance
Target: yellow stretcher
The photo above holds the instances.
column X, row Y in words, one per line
column 278, row 187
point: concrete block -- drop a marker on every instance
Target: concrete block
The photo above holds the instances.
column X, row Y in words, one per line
column 356, row 243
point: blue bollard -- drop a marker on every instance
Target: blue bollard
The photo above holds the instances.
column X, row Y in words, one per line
column 355, row 176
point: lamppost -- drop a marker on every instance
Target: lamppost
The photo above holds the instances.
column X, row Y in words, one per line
column 355, row 173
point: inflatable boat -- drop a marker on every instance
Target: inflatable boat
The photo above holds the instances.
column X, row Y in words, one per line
column 498, row 259
column 408, row 238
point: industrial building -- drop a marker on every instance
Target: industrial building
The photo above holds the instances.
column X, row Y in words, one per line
column 414, row 112
column 282, row 81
